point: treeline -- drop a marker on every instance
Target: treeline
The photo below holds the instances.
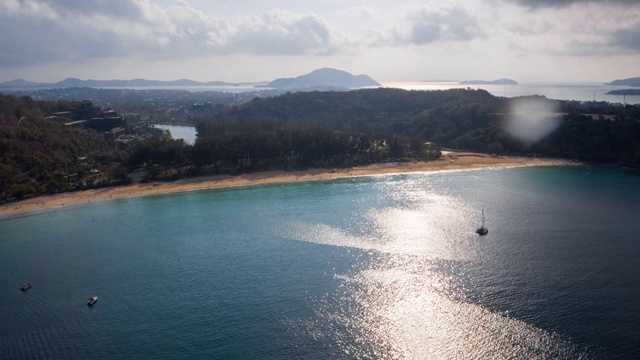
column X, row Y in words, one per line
column 362, row 111
column 459, row 118
column 594, row 140
column 322, row 129
column 284, row 149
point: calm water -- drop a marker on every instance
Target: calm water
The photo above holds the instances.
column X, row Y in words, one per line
column 373, row 267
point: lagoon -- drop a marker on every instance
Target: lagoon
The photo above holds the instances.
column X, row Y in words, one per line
column 184, row 132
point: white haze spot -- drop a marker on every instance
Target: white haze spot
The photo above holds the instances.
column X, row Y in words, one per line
column 531, row 120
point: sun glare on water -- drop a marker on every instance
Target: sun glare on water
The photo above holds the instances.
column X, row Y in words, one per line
column 404, row 303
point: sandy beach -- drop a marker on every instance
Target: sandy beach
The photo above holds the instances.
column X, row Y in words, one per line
column 449, row 161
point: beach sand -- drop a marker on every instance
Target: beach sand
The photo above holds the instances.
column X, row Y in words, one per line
column 449, row 161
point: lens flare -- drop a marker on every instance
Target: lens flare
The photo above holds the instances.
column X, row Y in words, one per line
column 532, row 119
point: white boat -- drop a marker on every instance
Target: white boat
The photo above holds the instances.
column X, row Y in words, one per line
column 92, row 301
column 482, row 230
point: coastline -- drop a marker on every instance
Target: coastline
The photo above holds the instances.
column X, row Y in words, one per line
column 449, row 161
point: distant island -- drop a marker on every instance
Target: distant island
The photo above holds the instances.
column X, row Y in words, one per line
column 321, row 79
column 485, row 82
column 325, row 77
column 626, row 82
column 624, row 92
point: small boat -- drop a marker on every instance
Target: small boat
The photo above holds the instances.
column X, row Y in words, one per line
column 482, row 230
column 92, row 301
column 25, row 287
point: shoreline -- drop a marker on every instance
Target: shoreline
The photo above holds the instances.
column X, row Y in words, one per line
column 449, row 161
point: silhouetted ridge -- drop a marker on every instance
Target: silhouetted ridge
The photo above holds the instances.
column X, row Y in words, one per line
column 324, row 77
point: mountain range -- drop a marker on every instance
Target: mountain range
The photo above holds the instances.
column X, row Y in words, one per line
column 73, row 82
column 320, row 79
column 325, row 78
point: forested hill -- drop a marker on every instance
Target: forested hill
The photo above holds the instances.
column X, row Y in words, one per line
column 40, row 155
column 458, row 118
column 392, row 111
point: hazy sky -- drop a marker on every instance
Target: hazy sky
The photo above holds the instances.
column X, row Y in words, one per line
column 255, row 40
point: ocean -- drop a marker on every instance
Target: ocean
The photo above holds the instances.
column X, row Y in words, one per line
column 369, row 267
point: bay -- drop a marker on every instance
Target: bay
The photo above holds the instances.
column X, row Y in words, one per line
column 370, row 267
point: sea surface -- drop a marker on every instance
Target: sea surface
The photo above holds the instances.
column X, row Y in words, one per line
column 362, row 268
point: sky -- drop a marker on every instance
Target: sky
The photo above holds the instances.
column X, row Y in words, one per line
column 530, row 41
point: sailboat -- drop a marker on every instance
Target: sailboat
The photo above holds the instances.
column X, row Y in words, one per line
column 482, row 230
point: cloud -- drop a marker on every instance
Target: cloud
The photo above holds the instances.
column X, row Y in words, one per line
column 582, row 29
column 185, row 28
column 282, row 32
column 98, row 35
column 436, row 26
column 43, row 31
column 127, row 9
column 561, row 3
column 34, row 32
column 628, row 39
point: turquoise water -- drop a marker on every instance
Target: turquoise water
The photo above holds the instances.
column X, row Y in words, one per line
column 371, row 267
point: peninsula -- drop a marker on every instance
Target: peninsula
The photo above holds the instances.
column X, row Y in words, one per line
column 635, row 81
